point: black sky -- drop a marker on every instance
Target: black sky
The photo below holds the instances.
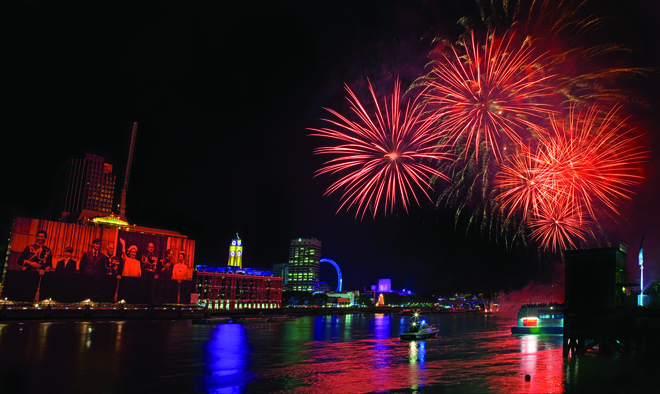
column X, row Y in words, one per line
column 223, row 94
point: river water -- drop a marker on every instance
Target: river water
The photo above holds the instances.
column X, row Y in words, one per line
column 355, row 353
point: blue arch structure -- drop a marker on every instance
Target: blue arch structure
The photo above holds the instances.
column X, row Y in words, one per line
column 338, row 272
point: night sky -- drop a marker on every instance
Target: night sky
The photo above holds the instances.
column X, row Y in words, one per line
column 224, row 94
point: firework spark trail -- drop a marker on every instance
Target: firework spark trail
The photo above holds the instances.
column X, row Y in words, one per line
column 561, row 27
column 382, row 156
column 498, row 87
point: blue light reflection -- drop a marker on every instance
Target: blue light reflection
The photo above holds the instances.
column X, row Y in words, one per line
column 227, row 354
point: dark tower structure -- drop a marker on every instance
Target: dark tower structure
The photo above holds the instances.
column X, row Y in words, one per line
column 594, row 300
column 595, row 278
column 86, row 184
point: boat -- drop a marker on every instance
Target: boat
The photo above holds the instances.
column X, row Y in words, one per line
column 245, row 319
column 540, row 319
column 214, row 320
column 281, row 318
column 411, row 312
column 419, row 329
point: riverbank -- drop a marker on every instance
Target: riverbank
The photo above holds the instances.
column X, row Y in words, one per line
column 39, row 312
column 16, row 312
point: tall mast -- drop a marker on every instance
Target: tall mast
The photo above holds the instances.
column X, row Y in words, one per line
column 641, row 269
column 122, row 206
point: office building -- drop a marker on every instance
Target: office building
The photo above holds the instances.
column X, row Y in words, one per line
column 282, row 269
column 87, row 184
column 304, row 265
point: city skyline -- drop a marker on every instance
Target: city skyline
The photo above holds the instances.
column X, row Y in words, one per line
column 222, row 145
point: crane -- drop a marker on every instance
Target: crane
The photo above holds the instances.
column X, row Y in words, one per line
column 122, row 205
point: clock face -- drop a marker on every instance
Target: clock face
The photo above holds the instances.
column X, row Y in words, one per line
column 238, row 254
column 239, row 243
column 233, row 243
column 231, row 254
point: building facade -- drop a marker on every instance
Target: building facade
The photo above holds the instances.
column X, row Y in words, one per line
column 85, row 183
column 282, row 269
column 231, row 288
column 304, row 265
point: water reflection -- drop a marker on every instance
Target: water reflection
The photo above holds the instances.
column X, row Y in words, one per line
column 227, row 353
column 417, row 352
column 328, row 354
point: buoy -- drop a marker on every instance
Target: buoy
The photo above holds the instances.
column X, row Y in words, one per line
column 528, row 378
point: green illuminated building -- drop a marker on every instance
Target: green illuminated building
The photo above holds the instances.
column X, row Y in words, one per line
column 304, row 264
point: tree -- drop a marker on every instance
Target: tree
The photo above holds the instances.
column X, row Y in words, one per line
column 319, row 299
column 296, row 298
column 365, row 300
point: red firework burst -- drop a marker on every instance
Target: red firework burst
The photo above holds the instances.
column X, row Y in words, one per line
column 382, row 157
column 586, row 158
column 556, row 224
column 497, row 87
column 525, row 183
column 592, row 157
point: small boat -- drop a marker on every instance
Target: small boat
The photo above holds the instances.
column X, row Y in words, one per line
column 214, row 320
column 419, row 329
column 540, row 319
column 281, row 318
column 412, row 312
column 246, row 319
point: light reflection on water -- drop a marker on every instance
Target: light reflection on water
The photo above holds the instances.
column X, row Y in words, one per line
column 316, row 354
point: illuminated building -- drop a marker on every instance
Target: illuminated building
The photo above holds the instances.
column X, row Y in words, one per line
column 85, row 183
column 385, row 285
column 282, row 269
column 346, row 298
column 236, row 253
column 230, row 288
column 304, row 264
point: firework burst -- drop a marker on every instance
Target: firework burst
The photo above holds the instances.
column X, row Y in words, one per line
column 525, row 183
column 498, row 88
column 562, row 29
column 556, row 225
column 588, row 158
column 382, row 158
column 591, row 156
